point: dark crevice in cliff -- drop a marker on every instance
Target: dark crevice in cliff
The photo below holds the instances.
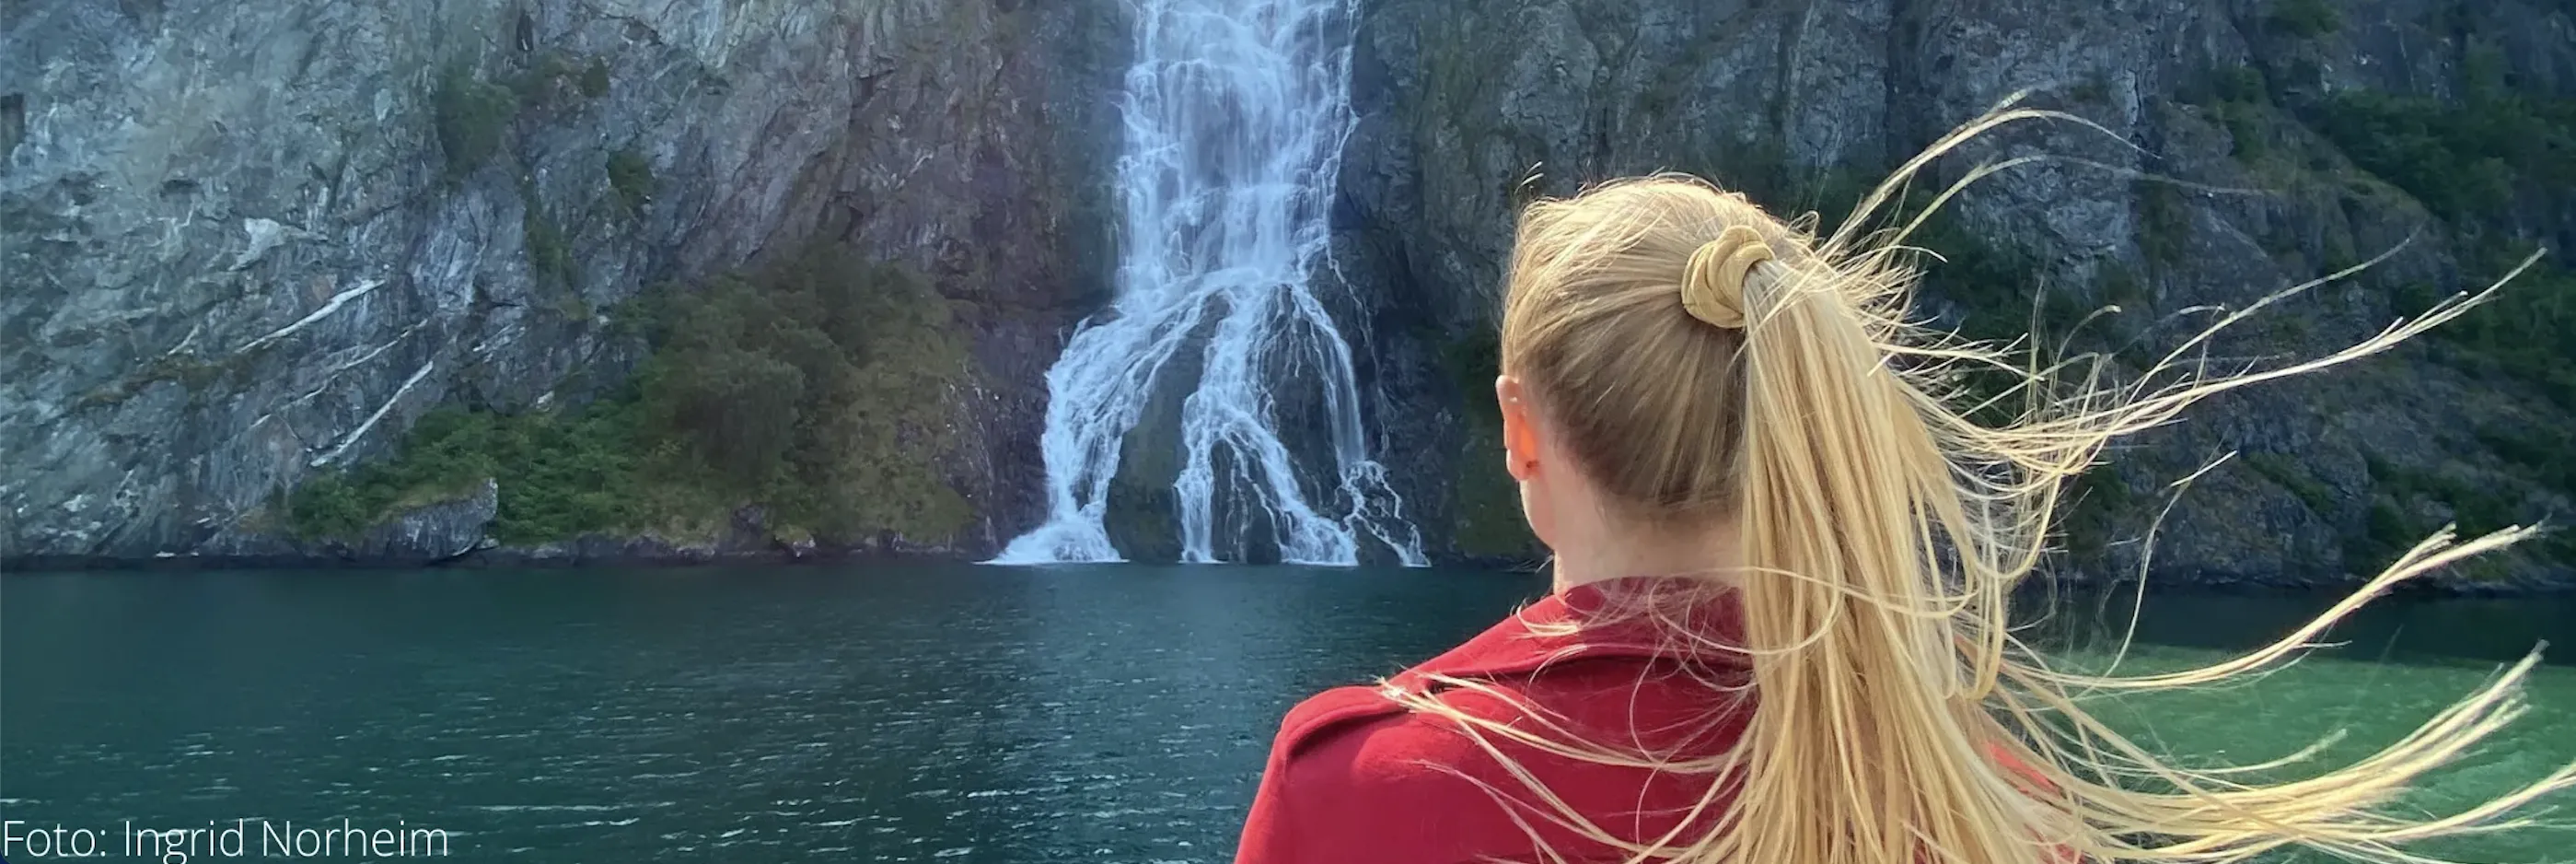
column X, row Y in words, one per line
column 13, row 125
column 1904, row 32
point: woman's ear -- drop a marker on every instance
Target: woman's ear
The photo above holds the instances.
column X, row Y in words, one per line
column 1520, row 430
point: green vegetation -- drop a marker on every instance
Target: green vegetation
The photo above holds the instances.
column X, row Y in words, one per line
column 2545, row 452
column 561, row 475
column 2096, row 501
column 631, row 175
column 2465, row 162
column 821, row 388
column 550, row 260
column 2286, row 473
column 2489, row 165
column 555, row 77
column 2239, row 99
column 1998, row 289
column 2305, row 18
column 2527, row 334
column 2393, row 526
column 2120, row 286
column 2164, row 222
column 2402, row 496
column 2536, row 451
column 471, row 116
column 2238, row 84
column 2495, row 166
column 594, row 80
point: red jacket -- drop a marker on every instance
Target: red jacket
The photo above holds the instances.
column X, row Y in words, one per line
column 1354, row 778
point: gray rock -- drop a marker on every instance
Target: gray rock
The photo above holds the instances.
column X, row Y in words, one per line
column 437, row 531
column 1462, row 99
column 431, row 532
column 243, row 242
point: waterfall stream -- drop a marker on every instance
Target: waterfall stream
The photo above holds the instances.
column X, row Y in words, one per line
column 1236, row 111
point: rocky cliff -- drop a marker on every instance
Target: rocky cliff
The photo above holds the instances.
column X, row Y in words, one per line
column 247, row 245
column 2253, row 145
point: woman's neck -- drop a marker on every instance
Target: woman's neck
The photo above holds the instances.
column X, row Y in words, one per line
column 1605, row 551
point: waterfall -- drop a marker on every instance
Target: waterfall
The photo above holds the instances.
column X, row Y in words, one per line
column 1236, row 111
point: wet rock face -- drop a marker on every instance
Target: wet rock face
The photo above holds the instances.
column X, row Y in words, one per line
column 241, row 243
column 244, row 242
column 1471, row 107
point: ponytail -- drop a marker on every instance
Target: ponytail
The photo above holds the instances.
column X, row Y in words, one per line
column 1865, row 745
column 1883, row 529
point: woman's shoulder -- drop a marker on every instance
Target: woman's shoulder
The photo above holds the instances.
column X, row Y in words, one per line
column 1357, row 778
column 1353, row 735
column 1616, row 699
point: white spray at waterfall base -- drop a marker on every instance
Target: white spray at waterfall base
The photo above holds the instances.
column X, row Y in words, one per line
column 1236, row 111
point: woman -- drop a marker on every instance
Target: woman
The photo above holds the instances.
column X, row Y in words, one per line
column 1782, row 553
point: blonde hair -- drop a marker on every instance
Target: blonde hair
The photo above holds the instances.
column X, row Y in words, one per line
column 1705, row 360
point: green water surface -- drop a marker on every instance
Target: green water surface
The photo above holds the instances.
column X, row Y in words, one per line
column 912, row 713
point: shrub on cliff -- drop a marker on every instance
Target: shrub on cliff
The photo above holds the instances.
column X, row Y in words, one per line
column 631, row 176
column 2466, row 160
column 471, row 116
column 2306, row 18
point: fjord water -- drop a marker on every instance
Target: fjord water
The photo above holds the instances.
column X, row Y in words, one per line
column 1235, row 114
column 916, row 713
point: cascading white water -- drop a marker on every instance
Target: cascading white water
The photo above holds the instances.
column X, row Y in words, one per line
column 1236, row 111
